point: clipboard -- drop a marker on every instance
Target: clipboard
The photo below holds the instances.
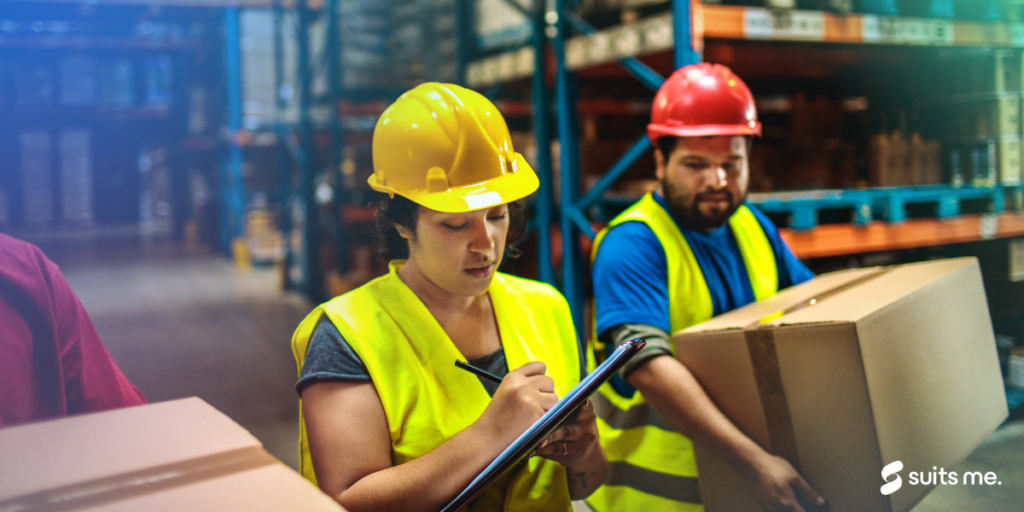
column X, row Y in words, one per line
column 547, row 423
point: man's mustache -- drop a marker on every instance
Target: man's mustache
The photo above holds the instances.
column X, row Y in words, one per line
column 705, row 195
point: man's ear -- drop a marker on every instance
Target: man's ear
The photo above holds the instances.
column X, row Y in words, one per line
column 659, row 164
column 403, row 231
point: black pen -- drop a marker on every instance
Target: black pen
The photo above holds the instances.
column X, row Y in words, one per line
column 571, row 418
column 473, row 369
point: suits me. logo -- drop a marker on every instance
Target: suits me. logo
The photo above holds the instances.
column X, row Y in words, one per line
column 937, row 476
column 889, row 470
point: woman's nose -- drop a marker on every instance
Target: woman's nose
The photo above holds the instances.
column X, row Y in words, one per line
column 482, row 240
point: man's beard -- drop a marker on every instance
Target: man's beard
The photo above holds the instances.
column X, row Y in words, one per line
column 690, row 216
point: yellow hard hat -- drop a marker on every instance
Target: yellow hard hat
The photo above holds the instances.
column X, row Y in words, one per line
column 448, row 148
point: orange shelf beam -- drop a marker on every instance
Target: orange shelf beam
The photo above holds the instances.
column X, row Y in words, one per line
column 842, row 239
column 731, row 22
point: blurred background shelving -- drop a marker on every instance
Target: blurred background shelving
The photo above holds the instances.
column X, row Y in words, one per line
column 892, row 128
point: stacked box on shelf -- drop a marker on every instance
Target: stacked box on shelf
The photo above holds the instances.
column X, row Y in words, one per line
column 978, row 114
column 893, row 161
column 259, row 97
column 442, row 60
column 817, row 154
column 33, row 85
column 76, row 176
column 498, row 25
column 409, row 43
column 115, row 83
column 35, row 148
column 156, row 200
column 158, row 77
column 365, row 59
column 320, row 87
column 1009, row 85
column 77, row 82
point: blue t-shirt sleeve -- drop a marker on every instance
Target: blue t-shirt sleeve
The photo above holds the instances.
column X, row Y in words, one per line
column 791, row 270
column 630, row 278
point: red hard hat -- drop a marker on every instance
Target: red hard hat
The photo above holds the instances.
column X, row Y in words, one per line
column 700, row 100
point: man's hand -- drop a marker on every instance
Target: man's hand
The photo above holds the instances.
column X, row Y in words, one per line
column 681, row 401
column 778, row 487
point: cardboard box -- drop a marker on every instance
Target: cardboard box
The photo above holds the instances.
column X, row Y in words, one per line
column 925, row 163
column 889, row 162
column 179, row 455
column 850, row 372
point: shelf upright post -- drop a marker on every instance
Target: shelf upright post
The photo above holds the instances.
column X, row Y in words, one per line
column 541, row 96
column 334, row 82
column 464, row 40
column 683, row 52
column 310, row 225
column 283, row 169
column 573, row 265
column 233, row 195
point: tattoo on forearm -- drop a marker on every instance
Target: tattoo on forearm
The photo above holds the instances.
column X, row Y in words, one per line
column 582, row 477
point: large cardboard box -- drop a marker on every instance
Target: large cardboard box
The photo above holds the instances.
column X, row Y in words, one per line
column 850, row 372
column 179, row 455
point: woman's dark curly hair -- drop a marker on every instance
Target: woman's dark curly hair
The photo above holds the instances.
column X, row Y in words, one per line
column 399, row 211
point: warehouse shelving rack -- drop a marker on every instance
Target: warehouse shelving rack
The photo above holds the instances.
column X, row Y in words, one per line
column 528, row 60
column 128, row 33
column 322, row 199
column 661, row 34
column 295, row 140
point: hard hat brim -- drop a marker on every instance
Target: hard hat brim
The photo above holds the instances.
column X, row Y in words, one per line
column 506, row 188
column 656, row 131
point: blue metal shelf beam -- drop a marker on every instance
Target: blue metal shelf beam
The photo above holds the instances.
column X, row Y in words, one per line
column 572, row 220
column 639, row 70
column 541, row 98
column 568, row 133
column 516, row 6
column 890, row 203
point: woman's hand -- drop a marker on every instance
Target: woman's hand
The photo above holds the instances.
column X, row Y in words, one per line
column 572, row 441
column 524, row 395
column 577, row 446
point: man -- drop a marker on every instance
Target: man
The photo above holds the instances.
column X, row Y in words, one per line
column 52, row 362
column 687, row 252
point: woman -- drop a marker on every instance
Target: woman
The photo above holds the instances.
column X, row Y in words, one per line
column 388, row 421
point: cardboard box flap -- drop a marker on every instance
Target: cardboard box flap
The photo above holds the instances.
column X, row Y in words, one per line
column 844, row 296
column 742, row 317
column 61, row 453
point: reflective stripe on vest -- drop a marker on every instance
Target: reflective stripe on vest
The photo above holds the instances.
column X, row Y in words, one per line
column 426, row 398
column 655, row 465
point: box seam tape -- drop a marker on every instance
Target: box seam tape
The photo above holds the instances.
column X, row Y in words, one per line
column 141, row 482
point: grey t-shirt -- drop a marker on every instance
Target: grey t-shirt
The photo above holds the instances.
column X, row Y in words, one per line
column 330, row 358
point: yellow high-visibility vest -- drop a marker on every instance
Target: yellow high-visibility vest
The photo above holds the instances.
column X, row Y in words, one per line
column 426, row 398
column 651, row 466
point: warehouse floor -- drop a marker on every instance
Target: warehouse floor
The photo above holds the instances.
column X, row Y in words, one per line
column 182, row 324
